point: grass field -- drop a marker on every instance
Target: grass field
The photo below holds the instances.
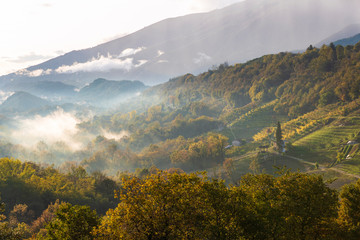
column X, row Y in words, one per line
column 323, row 145
column 316, row 137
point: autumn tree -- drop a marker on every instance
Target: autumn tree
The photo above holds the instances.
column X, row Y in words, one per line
column 72, row 222
column 8, row 232
column 349, row 210
column 291, row 206
column 308, row 206
column 171, row 206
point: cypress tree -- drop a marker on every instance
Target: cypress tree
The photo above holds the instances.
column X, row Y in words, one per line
column 279, row 141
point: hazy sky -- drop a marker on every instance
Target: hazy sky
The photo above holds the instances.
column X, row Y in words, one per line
column 33, row 31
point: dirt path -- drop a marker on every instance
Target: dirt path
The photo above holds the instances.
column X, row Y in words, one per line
column 325, row 168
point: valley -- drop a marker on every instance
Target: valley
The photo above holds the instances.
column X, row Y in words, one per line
column 239, row 123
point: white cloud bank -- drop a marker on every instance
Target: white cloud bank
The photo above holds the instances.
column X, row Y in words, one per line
column 34, row 73
column 112, row 135
column 59, row 126
column 105, row 64
column 102, row 64
column 99, row 64
column 131, row 51
column 4, row 95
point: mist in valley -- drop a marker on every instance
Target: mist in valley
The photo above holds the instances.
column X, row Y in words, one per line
column 72, row 114
column 55, row 138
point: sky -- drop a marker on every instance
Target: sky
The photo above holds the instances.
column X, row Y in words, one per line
column 33, row 31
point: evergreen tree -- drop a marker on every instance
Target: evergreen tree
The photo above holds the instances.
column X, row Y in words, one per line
column 279, row 141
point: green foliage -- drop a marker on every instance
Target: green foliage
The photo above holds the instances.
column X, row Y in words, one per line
column 287, row 207
column 278, row 137
column 305, row 92
column 295, row 79
column 12, row 230
column 72, row 222
column 327, row 98
column 349, row 212
column 200, row 154
column 37, row 186
column 315, row 96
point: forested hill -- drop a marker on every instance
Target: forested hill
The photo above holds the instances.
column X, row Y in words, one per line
column 191, row 126
column 301, row 82
column 190, row 119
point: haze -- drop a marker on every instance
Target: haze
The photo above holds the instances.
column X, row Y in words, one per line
column 37, row 30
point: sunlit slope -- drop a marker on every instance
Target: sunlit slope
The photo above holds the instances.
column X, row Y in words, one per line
column 325, row 145
column 246, row 125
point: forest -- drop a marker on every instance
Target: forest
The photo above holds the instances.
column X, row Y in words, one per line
column 202, row 157
column 195, row 115
column 172, row 204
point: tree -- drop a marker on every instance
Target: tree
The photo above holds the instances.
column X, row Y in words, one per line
column 7, row 232
column 45, row 218
column 21, row 214
column 72, row 222
column 349, row 210
column 279, row 141
column 291, row 206
column 172, row 206
column 308, row 206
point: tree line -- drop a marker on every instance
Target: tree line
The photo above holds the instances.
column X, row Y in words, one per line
column 171, row 204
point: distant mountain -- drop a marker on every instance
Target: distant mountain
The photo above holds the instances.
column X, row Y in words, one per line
column 347, row 32
column 109, row 92
column 47, row 89
column 22, row 102
column 348, row 41
column 193, row 43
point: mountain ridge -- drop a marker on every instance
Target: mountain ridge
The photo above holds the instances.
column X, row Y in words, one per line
column 348, row 41
column 23, row 102
column 193, row 43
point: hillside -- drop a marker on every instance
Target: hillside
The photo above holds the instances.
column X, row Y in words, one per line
column 348, row 41
column 106, row 92
column 22, row 102
column 48, row 89
column 300, row 82
column 242, row 123
column 200, row 122
column 225, row 121
column 194, row 117
column 346, row 32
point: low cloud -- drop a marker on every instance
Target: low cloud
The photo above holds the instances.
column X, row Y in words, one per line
column 202, row 58
column 130, row 51
column 141, row 62
column 160, row 53
column 112, row 135
column 59, row 126
column 4, row 95
column 34, row 73
column 101, row 64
